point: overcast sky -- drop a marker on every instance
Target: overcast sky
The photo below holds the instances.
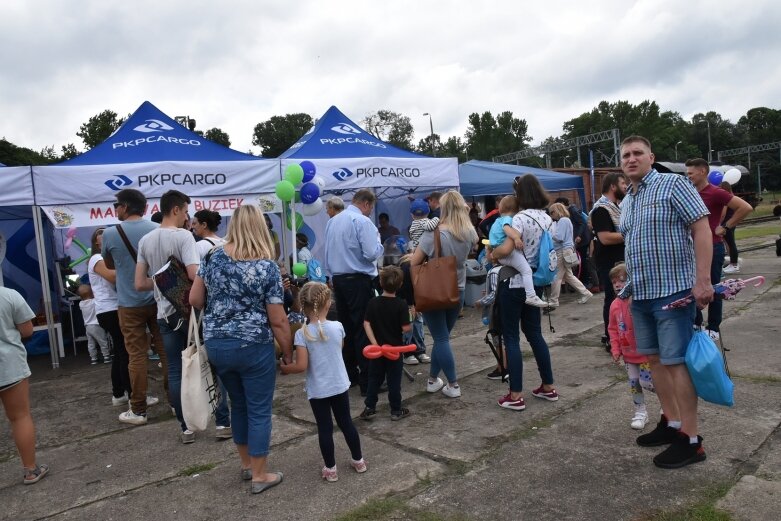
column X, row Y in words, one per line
column 233, row 64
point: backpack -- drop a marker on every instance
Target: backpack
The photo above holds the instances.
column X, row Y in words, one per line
column 547, row 260
column 314, row 271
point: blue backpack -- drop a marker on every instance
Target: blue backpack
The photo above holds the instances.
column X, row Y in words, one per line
column 547, row 260
column 315, row 272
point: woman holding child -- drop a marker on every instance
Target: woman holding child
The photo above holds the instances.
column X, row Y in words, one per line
column 458, row 237
column 529, row 222
column 243, row 316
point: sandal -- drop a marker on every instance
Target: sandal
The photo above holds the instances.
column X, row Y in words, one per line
column 35, row 475
column 260, row 486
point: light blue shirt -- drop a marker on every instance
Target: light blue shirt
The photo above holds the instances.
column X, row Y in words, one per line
column 325, row 375
column 562, row 237
column 13, row 356
column 352, row 244
column 125, row 265
column 496, row 235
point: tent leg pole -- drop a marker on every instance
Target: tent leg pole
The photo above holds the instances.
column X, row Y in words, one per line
column 45, row 286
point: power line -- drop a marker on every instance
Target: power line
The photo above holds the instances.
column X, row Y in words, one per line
column 564, row 144
column 748, row 150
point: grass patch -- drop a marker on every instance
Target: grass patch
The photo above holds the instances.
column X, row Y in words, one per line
column 758, row 230
column 703, row 510
column 197, row 469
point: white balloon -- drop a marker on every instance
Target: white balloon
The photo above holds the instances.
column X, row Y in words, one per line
column 732, row 176
column 313, row 209
column 319, row 181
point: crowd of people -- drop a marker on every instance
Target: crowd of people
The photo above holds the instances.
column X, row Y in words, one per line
column 656, row 237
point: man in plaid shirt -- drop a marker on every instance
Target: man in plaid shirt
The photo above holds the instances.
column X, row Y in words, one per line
column 668, row 255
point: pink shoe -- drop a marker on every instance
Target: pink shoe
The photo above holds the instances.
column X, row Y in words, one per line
column 359, row 466
column 329, row 474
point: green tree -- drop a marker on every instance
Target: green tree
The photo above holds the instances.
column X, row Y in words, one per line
column 390, row 127
column 760, row 125
column 12, row 155
column 218, row 136
column 487, row 137
column 99, row 128
column 424, row 145
column 280, row 132
column 69, row 151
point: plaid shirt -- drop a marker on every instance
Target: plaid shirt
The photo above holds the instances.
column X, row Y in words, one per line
column 655, row 223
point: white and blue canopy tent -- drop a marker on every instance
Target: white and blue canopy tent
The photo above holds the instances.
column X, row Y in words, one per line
column 23, row 244
column 484, row 178
column 348, row 158
column 152, row 153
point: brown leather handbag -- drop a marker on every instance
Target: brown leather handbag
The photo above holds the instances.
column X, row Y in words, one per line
column 435, row 282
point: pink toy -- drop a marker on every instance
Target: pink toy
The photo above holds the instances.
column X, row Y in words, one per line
column 725, row 290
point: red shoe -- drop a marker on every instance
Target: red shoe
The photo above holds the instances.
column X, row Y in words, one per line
column 508, row 403
column 551, row 395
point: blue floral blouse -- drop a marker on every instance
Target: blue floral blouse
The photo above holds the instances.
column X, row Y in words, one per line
column 236, row 296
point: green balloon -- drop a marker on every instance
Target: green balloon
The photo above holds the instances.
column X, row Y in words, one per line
column 294, row 173
column 299, row 269
column 285, row 190
column 299, row 221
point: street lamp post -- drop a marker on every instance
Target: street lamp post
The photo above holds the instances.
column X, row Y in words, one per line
column 431, row 126
column 676, row 149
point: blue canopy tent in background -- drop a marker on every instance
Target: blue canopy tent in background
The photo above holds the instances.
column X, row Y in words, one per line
column 484, row 178
column 348, row 159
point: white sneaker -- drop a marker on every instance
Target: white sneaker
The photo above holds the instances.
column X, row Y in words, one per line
column 554, row 303
column 536, row 301
column 714, row 335
column 116, row 402
column 585, row 298
column 151, row 400
column 639, row 419
column 451, row 392
column 132, row 418
column 435, row 386
column 188, row 436
column 732, row 268
column 424, row 358
column 411, row 360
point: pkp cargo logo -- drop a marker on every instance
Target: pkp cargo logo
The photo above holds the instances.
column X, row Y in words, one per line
column 345, row 128
column 342, row 174
column 153, row 125
column 119, row 183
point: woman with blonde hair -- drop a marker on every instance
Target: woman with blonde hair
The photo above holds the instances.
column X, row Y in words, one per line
column 564, row 245
column 458, row 237
column 243, row 316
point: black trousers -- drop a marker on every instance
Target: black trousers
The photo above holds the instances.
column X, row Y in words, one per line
column 383, row 369
column 603, row 272
column 120, row 377
column 353, row 293
column 340, row 405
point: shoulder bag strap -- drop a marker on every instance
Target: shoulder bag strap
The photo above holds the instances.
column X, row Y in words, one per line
column 209, row 240
column 437, row 243
column 127, row 243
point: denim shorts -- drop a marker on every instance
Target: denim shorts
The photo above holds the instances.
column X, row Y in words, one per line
column 663, row 333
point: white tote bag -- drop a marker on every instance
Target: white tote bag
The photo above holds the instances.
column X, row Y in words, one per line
column 200, row 394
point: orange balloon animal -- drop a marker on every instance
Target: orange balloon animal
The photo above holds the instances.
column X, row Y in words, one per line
column 389, row 352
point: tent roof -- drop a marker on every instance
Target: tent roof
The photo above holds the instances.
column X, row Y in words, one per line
column 150, row 136
column 487, row 178
column 336, row 136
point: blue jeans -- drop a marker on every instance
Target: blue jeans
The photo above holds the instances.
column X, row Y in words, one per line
column 715, row 307
column 665, row 333
column 174, row 342
column 248, row 371
column 440, row 323
column 512, row 309
column 416, row 336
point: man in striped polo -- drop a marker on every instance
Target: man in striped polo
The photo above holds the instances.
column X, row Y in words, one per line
column 668, row 255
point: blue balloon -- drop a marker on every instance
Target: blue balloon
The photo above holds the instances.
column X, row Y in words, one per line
column 310, row 192
column 715, row 178
column 309, row 170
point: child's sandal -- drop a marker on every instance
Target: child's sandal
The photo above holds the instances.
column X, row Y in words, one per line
column 35, row 475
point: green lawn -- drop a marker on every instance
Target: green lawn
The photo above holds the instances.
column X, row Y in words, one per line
column 757, row 230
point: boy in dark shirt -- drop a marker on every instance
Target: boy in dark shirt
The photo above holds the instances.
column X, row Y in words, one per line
column 385, row 322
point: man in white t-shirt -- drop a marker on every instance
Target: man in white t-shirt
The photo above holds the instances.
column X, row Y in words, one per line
column 154, row 249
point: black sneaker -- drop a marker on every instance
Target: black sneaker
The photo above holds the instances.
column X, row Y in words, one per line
column 401, row 413
column 661, row 435
column 496, row 374
column 680, row 453
column 367, row 414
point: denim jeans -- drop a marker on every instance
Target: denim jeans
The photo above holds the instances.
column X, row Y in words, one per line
column 512, row 308
column 715, row 307
column 663, row 332
column 417, row 335
column 440, row 323
column 174, row 332
column 248, row 371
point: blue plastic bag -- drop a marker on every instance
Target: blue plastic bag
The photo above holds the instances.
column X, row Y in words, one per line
column 706, row 368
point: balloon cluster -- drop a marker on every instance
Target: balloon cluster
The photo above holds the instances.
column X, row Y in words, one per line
column 309, row 193
column 70, row 239
column 731, row 176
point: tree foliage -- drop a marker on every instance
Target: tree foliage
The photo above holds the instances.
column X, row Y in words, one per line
column 99, row 128
column 216, row 135
column 69, row 151
column 390, row 127
column 12, row 155
column 277, row 134
column 424, row 146
column 487, row 137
